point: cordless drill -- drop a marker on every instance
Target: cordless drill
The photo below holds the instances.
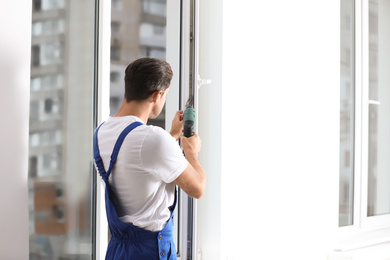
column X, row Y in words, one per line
column 189, row 121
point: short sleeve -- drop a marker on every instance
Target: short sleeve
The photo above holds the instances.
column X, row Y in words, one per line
column 161, row 155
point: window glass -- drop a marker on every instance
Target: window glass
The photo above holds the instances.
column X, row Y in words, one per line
column 138, row 30
column 347, row 108
column 53, row 4
column 152, row 34
column 155, row 7
column 379, row 109
column 52, row 52
column 131, row 40
column 48, row 27
column 115, row 52
column 35, row 55
column 135, row 35
column 115, row 30
column 37, row 5
column 116, row 4
column 61, row 127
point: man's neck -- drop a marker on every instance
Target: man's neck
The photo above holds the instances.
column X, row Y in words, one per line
column 140, row 109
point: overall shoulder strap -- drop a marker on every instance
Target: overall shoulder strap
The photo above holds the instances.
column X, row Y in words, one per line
column 119, row 142
column 96, row 153
column 115, row 151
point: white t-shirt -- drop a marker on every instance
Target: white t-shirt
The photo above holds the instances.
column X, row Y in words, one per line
column 148, row 162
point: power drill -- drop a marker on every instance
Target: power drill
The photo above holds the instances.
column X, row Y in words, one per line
column 189, row 121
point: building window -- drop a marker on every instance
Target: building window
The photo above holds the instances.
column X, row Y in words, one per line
column 52, row 53
column 48, row 27
column 115, row 30
column 115, row 53
column 33, row 166
column 365, row 115
column 379, row 109
column 155, row 7
column 114, row 77
column 347, row 112
column 52, row 4
column 48, row 105
column 34, row 111
column 35, row 55
column 46, row 82
column 148, row 51
column 37, row 5
column 152, row 34
column 115, row 103
column 116, row 4
column 50, row 162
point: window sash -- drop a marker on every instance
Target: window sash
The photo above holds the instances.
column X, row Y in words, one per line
column 362, row 222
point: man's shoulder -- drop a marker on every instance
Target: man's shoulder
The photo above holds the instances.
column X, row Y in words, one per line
column 157, row 133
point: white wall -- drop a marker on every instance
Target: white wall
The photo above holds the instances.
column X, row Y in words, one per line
column 273, row 115
column 210, row 128
column 15, row 46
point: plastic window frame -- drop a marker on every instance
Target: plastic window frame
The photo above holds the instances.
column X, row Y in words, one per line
column 177, row 55
column 365, row 231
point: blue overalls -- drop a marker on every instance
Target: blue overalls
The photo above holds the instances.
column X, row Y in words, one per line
column 128, row 241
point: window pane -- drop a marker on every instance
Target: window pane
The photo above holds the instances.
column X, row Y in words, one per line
column 347, row 107
column 135, row 34
column 61, row 118
column 379, row 108
column 156, row 7
column 138, row 30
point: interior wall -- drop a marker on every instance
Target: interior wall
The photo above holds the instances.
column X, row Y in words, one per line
column 15, row 46
column 210, row 128
column 280, row 121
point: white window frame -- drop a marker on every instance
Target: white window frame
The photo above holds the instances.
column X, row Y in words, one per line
column 102, row 78
column 178, row 20
column 365, row 231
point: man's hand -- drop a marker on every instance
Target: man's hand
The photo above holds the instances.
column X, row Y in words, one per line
column 191, row 145
column 177, row 125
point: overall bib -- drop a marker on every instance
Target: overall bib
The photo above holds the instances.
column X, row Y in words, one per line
column 129, row 242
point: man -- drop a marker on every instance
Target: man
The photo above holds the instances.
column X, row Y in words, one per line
column 141, row 166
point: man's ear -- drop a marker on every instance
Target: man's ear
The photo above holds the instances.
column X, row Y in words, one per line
column 157, row 95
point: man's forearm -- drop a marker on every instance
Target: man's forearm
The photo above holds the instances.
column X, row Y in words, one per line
column 193, row 160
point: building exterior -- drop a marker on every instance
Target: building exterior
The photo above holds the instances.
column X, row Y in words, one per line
column 138, row 29
column 60, row 181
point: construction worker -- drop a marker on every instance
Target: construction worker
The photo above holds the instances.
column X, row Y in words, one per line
column 141, row 166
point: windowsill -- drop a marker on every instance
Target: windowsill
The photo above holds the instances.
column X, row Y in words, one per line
column 358, row 240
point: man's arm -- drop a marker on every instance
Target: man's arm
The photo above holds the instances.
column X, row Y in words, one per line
column 193, row 179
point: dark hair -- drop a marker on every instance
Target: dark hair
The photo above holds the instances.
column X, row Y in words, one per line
column 144, row 76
